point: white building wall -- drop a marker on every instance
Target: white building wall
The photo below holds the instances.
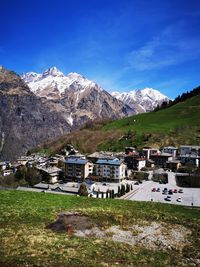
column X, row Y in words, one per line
column 141, row 164
column 111, row 171
column 88, row 169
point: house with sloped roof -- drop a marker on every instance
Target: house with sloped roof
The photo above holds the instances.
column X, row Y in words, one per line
column 50, row 173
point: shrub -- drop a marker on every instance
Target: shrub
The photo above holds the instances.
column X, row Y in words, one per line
column 83, row 190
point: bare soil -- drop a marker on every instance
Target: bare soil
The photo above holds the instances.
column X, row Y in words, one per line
column 70, row 222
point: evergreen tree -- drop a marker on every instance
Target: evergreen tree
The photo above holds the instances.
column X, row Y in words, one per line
column 119, row 192
column 122, row 189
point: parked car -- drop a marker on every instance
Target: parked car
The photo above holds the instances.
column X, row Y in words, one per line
column 175, row 191
column 158, row 189
column 153, row 189
column 168, row 198
column 179, row 199
column 180, row 190
column 170, row 192
column 136, row 183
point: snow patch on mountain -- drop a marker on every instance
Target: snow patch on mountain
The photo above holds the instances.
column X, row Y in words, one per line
column 53, row 80
column 145, row 99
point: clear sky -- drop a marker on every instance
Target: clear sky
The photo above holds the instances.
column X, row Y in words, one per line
column 122, row 45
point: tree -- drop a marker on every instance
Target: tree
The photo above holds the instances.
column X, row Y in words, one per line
column 33, row 176
column 127, row 188
column 122, row 189
column 119, row 192
column 21, row 174
column 83, row 190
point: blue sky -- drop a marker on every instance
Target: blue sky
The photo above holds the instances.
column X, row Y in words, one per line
column 122, row 45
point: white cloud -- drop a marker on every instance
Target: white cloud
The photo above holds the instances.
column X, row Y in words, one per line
column 171, row 47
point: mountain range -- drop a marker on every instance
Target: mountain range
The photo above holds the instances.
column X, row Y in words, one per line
column 80, row 99
column 142, row 100
column 54, row 85
column 36, row 107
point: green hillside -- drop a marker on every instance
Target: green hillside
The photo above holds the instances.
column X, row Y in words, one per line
column 175, row 125
column 181, row 115
column 27, row 241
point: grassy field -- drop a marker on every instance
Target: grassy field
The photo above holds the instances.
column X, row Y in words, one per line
column 26, row 241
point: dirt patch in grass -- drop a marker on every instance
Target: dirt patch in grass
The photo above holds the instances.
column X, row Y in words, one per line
column 70, row 222
column 153, row 235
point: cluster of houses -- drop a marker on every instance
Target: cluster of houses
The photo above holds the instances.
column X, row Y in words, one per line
column 105, row 166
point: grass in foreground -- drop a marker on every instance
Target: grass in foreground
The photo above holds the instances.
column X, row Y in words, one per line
column 25, row 239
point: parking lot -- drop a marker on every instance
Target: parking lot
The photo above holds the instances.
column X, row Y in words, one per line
column 189, row 197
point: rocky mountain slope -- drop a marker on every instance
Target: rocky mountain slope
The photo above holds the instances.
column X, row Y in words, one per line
column 142, row 100
column 80, row 99
column 25, row 119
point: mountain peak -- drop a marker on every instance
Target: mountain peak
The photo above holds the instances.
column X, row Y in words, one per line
column 53, row 71
column 75, row 75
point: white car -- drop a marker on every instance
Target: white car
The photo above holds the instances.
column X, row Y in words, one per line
column 179, row 199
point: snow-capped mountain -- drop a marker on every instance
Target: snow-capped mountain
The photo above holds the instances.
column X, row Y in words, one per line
column 52, row 83
column 142, row 100
column 78, row 98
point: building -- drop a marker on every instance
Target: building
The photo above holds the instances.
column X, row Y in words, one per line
column 191, row 159
column 147, row 152
column 161, row 159
column 5, row 165
column 100, row 155
column 130, row 150
column 173, row 165
column 112, row 170
column 7, row 172
column 50, row 174
column 23, row 160
column 170, row 150
column 77, row 169
column 189, row 150
column 135, row 162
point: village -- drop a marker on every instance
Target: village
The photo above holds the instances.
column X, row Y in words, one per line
column 150, row 174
